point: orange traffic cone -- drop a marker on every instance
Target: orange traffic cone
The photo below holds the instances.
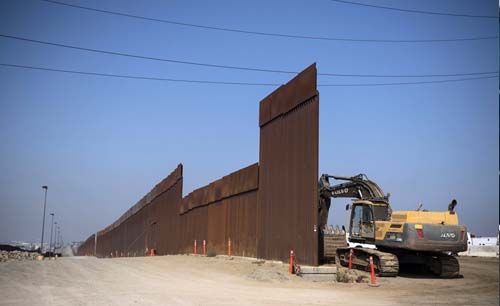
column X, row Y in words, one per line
column 350, row 259
column 292, row 257
column 373, row 282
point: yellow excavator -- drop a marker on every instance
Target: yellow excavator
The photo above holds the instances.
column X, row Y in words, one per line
column 429, row 239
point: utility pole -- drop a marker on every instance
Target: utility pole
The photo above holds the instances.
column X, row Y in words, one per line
column 58, row 240
column 43, row 220
column 51, row 227
column 56, row 237
column 55, row 230
column 95, row 243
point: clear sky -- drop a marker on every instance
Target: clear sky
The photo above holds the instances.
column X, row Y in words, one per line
column 101, row 143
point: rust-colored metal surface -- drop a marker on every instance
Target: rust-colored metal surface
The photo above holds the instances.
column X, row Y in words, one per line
column 265, row 209
column 141, row 228
column 217, row 226
column 169, row 223
column 165, row 222
column 87, row 247
column 222, row 210
column 241, row 224
column 288, row 171
column 240, row 181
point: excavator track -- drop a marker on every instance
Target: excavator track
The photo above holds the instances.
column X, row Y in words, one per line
column 386, row 264
column 446, row 266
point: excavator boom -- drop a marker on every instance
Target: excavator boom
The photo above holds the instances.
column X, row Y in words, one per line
column 358, row 187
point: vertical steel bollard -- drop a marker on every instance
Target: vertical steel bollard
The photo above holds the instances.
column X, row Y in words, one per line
column 204, row 247
column 292, row 257
column 194, row 248
column 350, row 259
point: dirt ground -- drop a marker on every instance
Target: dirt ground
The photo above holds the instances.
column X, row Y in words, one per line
column 188, row 280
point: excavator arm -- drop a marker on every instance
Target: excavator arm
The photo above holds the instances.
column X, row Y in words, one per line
column 359, row 187
column 354, row 187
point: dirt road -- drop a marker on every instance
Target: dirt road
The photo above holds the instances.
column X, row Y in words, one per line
column 187, row 280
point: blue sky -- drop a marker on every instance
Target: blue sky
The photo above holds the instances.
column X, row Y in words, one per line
column 101, row 143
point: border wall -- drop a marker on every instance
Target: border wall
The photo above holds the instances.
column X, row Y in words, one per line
column 265, row 209
column 288, row 167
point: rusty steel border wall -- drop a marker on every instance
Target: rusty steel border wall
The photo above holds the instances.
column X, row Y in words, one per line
column 224, row 210
column 288, row 171
column 265, row 209
column 87, row 247
column 169, row 224
column 138, row 229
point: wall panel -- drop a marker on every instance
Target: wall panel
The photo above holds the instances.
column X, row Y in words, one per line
column 288, row 171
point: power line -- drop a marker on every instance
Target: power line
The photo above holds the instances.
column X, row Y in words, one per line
column 137, row 77
column 407, row 83
column 206, row 27
column 414, row 11
column 236, row 67
column 230, row 83
column 145, row 57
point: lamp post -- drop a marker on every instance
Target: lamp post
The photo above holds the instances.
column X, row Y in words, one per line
column 58, row 236
column 43, row 220
column 60, row 239
column 61, row 242
column 51, row 227
column 55, row 230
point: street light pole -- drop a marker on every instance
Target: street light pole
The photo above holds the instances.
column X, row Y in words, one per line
column 55, row 230
column 43, row 220
column 56, row 244
column 61, row 240
column 59, row 237
column 51, row 227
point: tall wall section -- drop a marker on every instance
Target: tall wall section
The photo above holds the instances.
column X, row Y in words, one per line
column 288, row 171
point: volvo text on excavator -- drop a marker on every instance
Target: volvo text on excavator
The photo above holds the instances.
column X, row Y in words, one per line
column 393, row 238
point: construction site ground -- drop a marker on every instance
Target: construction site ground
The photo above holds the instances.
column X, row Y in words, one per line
column 189, row 280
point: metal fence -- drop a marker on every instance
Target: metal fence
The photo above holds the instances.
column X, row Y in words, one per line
column 87, row 247
column 265, row 209
column 288, row 171
column 224, row 210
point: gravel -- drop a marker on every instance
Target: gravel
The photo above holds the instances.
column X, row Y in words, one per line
column 17, row 255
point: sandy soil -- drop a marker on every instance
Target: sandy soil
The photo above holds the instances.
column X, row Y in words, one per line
column 187, row 280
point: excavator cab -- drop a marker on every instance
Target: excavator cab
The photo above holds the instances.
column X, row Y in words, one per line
column 362, row 223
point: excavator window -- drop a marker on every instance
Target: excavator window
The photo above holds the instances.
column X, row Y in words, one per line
column 381, row 213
